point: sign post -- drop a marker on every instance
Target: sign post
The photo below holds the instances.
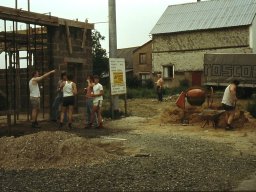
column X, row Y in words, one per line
column 117, row 77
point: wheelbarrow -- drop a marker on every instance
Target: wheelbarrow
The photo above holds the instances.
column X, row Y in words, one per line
column 211, row 115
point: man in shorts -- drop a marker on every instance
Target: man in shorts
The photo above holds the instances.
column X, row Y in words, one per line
column 97, row 101
column 35, row 95
column 229, row 103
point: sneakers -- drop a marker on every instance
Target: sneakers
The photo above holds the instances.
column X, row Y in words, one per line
column 229, row 128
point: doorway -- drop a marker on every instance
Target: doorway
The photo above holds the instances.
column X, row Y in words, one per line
column 196, row 78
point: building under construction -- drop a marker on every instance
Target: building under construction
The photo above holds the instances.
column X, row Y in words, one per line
column 45, row 43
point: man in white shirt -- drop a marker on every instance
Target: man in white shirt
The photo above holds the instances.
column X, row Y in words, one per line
column 229, row 103
column 97, row 101
column 35, row 95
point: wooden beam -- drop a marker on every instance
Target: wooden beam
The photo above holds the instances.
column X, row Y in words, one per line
column 84, row 33
column 76, row 24
column 68, row 39
column 23, row 16
column 27, row 17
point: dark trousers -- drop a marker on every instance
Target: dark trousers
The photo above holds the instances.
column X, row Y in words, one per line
column 55, row 106
column 159, row 91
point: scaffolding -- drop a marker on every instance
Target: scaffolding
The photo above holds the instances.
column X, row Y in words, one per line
column 48, row 43
column 33, row 41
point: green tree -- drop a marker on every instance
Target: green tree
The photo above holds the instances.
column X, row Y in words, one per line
column 100, row 59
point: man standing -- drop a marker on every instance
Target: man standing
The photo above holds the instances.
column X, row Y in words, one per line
column 229, row 103
column 159, row 87
column 58, row 99
column 97, row 102
column 35, row 95
column 89, row 102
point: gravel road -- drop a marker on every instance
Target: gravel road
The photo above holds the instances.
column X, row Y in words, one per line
column 175, row 163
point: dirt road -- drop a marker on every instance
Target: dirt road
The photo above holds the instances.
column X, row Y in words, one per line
column 142, row 152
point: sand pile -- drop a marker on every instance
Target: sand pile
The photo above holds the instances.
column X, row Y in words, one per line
column 174, row 114
column 49, row 150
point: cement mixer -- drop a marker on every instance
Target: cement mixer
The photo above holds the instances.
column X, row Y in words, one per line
column 195, row 96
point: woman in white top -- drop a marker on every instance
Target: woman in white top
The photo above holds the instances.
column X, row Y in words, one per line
column 69, row 91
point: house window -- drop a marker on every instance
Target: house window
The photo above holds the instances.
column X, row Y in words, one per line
column 144, row 77
column 142, row 58
column 168, row 71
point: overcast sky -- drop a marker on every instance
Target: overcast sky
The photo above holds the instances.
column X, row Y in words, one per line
column 135, row 18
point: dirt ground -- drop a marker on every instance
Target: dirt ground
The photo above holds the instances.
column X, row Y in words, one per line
column 48, row 148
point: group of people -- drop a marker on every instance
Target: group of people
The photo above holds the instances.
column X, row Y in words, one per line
column 67, row 89
column 65, row 99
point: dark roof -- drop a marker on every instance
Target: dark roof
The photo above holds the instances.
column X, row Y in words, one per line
column 126, row 53
column 142, row 46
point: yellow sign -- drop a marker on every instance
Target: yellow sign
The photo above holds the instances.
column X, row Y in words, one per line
column 118, row 78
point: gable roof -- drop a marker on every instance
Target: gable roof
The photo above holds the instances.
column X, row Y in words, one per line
column 206, row 15
column 127, row 54
column 138, row 48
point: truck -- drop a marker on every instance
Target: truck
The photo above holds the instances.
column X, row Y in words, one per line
column 220, row 69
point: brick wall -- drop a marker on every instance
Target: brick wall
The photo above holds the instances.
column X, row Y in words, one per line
column 56, row 56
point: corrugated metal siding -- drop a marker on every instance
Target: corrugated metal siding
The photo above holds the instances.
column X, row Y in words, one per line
column 206, row 15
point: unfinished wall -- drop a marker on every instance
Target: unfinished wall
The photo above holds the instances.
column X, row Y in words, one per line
column 55, row 56
column 73, row 55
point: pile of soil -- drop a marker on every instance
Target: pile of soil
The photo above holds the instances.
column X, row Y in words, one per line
column 173, row 114
column 50, row 150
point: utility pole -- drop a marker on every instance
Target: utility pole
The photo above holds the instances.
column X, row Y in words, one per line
column 113, row 47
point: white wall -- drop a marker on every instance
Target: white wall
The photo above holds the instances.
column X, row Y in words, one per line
column 253, row 35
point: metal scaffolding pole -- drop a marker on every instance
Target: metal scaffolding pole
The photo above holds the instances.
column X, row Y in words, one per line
column 13, row 64
column 42, row 61
column 6, row 80
column 28, row 71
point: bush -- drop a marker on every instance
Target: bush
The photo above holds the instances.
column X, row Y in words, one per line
column 251, row 107
column 133, row 82
column 184, row 83
column 141, row 93
column 149, row 83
